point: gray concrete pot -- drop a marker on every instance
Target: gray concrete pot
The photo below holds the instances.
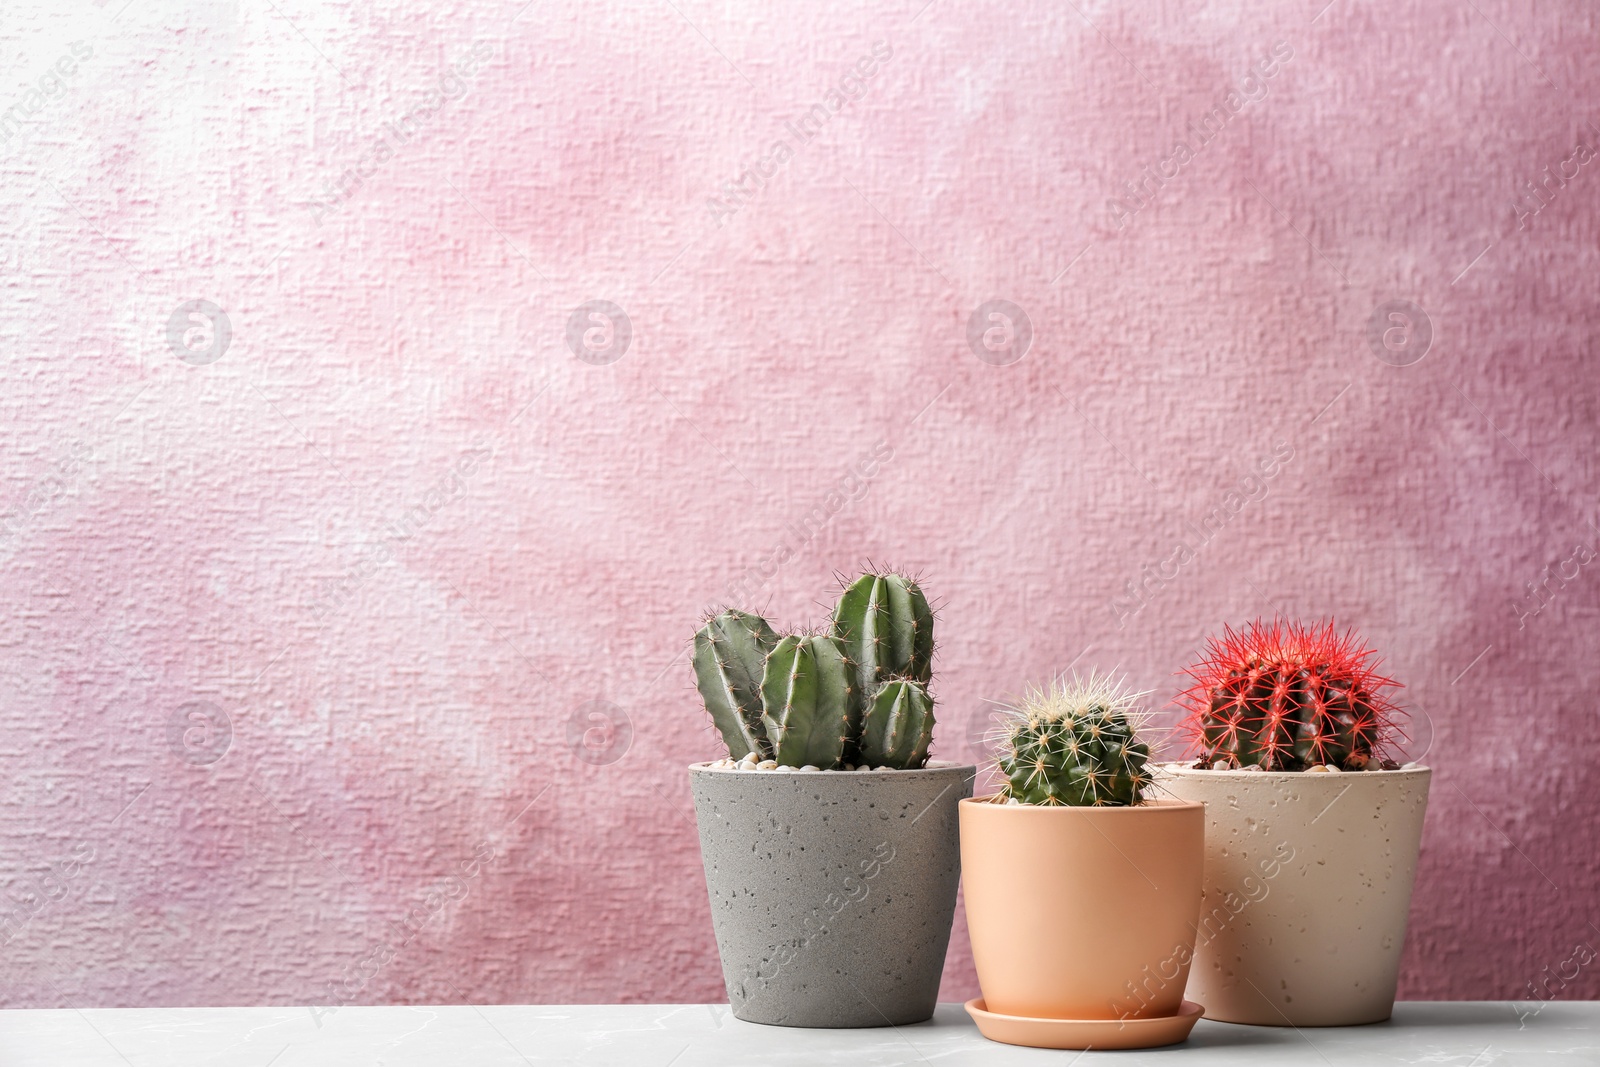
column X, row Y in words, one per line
column 832, row 892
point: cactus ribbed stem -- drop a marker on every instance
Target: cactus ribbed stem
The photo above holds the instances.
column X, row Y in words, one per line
column 897, row 726
column 730, row 653
column 806, row 699
column 887, row 628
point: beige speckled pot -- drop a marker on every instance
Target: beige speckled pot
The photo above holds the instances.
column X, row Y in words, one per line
column 1307, row 887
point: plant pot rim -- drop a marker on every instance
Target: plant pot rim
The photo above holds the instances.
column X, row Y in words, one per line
column 1188, row 770
column 931, row 767
column 992, row 801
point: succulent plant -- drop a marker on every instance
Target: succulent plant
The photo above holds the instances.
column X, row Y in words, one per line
column 730, row 654
column 887, row 629
column 805, row 701
column 886, row 626
column 1074, row 743
column 1287, row 696
column 858, row 694
column 897, row 725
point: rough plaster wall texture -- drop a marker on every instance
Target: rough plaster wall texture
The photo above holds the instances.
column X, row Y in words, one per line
column 437, row 573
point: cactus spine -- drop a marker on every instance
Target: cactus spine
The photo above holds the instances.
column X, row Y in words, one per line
column 1075, row 744
column 805, row 701
column 897, row 725
column 858, row 694
column 730, row 653
column 1285, row 696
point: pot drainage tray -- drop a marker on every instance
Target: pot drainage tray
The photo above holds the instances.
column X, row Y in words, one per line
column 1085, row 1033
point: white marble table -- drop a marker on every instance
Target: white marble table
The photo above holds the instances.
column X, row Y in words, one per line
column 685, row 1035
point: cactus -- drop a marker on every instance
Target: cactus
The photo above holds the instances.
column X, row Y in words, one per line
column 897, row 725
column 1286, row 696
column 1074, row 744
column 887, row 630
column 805, row 701
column 730, row 654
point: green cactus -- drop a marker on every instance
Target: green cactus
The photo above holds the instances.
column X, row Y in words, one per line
column 730, row 654
column 887, row 630
column 805, row 701
column 1075, row 743
column 897, row 726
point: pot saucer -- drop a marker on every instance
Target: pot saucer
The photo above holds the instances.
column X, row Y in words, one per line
column 1085, row 1033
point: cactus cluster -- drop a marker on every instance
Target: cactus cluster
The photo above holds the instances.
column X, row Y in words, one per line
column 1074, row 743
column 856, row 694
column 1286, row 697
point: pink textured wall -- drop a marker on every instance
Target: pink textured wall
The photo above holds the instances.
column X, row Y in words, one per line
column 403, row 538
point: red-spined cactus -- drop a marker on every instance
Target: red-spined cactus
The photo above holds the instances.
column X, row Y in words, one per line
column 1287, row 696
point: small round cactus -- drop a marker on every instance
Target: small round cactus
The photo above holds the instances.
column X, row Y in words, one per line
column 1074, row 743
column 1287, row 696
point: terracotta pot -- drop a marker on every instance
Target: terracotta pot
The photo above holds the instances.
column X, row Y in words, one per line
column 1307, row 886
column 1082, row 913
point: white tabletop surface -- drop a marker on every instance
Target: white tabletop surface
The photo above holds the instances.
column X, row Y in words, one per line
column 1477, row 1034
